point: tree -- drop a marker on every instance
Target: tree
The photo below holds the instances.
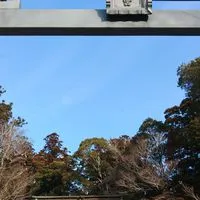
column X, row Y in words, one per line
column 53, row 168
column 15, row 154
column 138, row 171
column 183, row 122
column 15, row 169
column 6, row 114
column 93, row 160
column 189, row 79
column 121, row 144
column 155, row 132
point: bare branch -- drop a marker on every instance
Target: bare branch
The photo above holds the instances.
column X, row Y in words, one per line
column 14, row 173
column 136, row 171
column 189, row 191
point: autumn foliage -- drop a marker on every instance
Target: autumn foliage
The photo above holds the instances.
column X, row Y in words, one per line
column 161, row 161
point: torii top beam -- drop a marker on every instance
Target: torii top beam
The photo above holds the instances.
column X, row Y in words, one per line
column 96, row 22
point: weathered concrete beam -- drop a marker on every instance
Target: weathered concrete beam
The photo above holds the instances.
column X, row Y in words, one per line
column 10, row 4
column 95, row 22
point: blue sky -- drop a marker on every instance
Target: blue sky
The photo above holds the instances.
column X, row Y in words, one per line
column 84, row 87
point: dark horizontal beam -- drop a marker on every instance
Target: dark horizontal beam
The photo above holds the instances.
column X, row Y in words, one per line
column 95, row 22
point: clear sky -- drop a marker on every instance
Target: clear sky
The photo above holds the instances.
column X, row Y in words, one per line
column 84, row 87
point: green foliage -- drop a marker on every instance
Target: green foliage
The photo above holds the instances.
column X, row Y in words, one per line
column 93, row 160
column 2, row 90
column 151, row 127
column 189, row 78
column 6, row 114
column 154, row 161
column 156, row 134
column 173, row 147
column 183, row 123
column 53, row 147
column 53, row 168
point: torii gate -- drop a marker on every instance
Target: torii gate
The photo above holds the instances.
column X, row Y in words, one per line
column 129, row 17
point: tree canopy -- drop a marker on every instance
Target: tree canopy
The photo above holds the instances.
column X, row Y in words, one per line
column 160, row 161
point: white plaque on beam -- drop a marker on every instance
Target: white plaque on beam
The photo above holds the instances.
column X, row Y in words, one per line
column 128, row 7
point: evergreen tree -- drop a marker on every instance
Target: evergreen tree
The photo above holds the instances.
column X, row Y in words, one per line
column 6, row 113
column 53, row 168
column 183, row 123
